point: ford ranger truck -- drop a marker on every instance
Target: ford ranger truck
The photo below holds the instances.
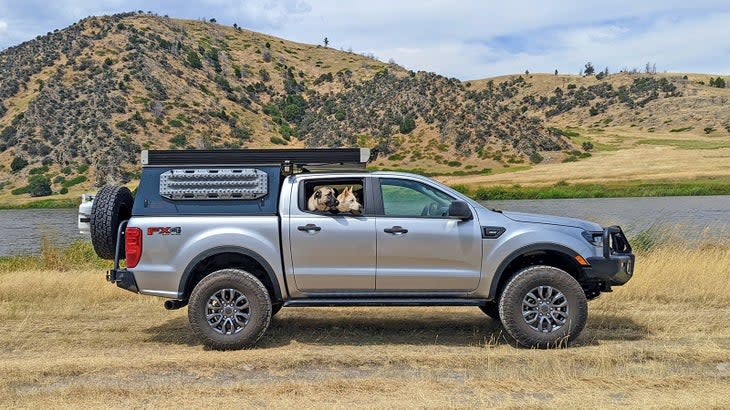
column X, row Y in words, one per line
column 230, row 234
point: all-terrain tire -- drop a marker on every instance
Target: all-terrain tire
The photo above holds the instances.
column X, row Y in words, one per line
column 256, row 304
column 491, row 309
column 515, row 295
column 112, row 205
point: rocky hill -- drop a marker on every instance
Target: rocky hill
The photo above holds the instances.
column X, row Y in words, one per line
column 77, row 105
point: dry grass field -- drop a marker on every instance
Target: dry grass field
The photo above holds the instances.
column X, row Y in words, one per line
column 623, row 154
column 68, row 339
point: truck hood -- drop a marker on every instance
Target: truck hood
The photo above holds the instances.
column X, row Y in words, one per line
column 552, row 220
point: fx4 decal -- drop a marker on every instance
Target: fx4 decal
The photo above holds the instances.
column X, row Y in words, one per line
column 164, row 230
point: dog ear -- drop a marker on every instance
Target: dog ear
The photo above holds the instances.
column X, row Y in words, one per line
column 318, row 194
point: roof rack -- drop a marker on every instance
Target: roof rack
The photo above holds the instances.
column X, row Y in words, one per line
column 288, row 159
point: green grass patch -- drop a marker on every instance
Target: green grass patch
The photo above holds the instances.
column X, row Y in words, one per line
column 686, row 144
column 695, row 187
column 45, row 204
column 680, row 129
column 74, row 181
column 421, row 171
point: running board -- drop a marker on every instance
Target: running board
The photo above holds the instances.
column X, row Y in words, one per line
column 385, row 302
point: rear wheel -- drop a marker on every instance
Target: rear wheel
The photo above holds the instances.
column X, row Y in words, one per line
column 229, row 309
column 112, row 205
column 543, row 307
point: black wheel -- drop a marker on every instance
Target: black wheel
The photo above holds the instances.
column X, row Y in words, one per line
column 491, row 309
column 229, row 309
column 112, row 205
column 543, row 307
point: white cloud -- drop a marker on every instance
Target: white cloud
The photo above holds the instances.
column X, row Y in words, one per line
column 466, row 39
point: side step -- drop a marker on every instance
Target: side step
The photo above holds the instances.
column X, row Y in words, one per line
column 385, row 302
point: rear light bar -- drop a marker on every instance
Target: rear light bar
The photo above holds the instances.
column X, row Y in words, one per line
column 132, row 246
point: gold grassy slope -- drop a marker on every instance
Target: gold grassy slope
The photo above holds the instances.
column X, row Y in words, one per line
column 69, row 339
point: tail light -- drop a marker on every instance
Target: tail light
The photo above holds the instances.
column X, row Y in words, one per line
column 133, row 246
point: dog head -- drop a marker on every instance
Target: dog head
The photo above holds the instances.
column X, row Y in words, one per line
column 348, row 202
column 323, row 199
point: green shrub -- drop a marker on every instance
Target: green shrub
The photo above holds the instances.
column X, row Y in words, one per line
column 709, row 130
column 74, row 181
column 82, row 168
column 63, row 191
column 194, row 60
column 179, row 140
column 18, row 164
column 536, row 158
column 340, row 115
column 59, row 179
column 407, row 124
column 175, row 123
column 454, row 163
column 278, row 140
column 39, row 185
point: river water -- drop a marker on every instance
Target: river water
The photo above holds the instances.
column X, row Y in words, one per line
column 698, row 217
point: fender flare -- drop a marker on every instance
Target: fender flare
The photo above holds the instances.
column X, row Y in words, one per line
column 535, row 247
column 185, row 279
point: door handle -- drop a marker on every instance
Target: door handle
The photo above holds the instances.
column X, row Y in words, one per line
column 396, row 230
column 309, row 228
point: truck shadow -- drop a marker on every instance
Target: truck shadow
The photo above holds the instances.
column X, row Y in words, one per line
column 357, row 327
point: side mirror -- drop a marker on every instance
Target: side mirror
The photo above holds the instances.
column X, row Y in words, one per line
column 460, row 210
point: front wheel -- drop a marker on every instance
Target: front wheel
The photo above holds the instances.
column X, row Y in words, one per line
column 229, row 309
column 543, row 307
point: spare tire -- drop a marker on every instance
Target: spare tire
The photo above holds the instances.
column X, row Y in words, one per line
column 112, row 205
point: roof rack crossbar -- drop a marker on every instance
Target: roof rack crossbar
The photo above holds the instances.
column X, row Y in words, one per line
column 291, row 157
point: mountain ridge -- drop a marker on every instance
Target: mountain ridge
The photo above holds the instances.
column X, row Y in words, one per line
column 91, row 96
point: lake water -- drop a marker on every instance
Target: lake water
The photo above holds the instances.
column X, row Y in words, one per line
column 698, row 216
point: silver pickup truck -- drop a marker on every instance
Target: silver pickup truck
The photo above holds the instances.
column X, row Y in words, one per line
column 235, row 237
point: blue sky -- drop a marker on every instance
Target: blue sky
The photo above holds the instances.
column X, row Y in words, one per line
column 463, row 39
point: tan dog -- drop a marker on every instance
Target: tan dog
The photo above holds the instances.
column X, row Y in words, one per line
column 348, row 202
column 323, row 199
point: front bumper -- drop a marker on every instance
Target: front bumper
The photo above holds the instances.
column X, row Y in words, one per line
column 123, row 279
column 616, row 266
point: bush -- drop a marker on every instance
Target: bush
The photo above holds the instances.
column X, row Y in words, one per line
column 74, row 181
column 340, row 114
column 278, row 140
column 454, row 163
column 175, row 123
column 63, row 191
column 18, row 164
column 535, row 157
column 407, row 125
column 179, row 140
column 82, row 168
column 587, row 146
column 38, row 170
column 194, row 60
column 709, row 130
column 39, row 186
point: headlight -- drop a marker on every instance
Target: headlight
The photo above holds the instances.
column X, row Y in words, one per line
column 595, row 238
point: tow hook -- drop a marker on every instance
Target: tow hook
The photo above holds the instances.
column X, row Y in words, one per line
column 175, row 304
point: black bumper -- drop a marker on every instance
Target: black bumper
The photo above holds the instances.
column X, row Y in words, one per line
column 616, row 266
column 123, row 279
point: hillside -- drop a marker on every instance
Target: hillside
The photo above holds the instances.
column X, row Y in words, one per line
column 77, row 106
